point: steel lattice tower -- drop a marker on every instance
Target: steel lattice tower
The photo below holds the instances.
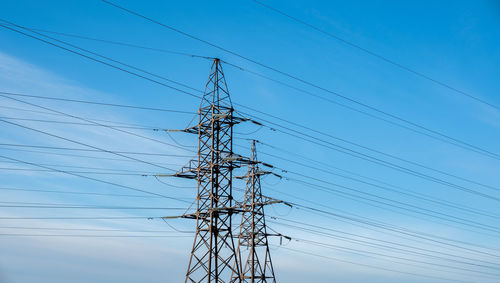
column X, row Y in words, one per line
column 258, row 266
column 213, row 257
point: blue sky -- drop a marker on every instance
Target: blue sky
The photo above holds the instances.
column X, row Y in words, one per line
column 455, row 42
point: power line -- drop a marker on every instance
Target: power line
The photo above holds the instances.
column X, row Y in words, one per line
column 100, row 56
column 92, row 236
column 365, row 253
column 281, row 119
column 87, row 145
column 455, row 141
column 94, row 179
column 375, row 159
column 378, row 226
column 384, row 244
column 413, row 208
column 337, row 247
column 389, row 229
column 408, row 232
column 77, row 155
column 293, row 76
column 99, row 103
column 379, row 161
column 132, row 125
column 91, row 207
column 385, row 228
column 388, row 187
column 93, row 122
column 381, row 57
column 426, row 167
column 355, row 144
column 440, row 136
column 155, row 129
column 150, row 19
column 321, row 97
column 122, row 43
column 156, row 81
column 324, row 143
column 454, row 258
column 385, row 256
column 88, row 229
column 100, row 61
column 77, row 123
column 358, row 191
column 420, row 175
column 83, row 218
column 93, row 150
column 77, row 172
column 95, row 168
column 372, row 266
column 77, row 193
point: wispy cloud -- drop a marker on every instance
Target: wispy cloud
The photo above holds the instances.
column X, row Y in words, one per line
column 116, row 259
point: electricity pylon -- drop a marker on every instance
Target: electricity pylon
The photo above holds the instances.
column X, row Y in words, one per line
column 213, row 256
column 258, row 266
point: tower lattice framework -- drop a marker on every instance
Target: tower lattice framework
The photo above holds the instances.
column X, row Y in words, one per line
column 213, row 256
column 252, row 239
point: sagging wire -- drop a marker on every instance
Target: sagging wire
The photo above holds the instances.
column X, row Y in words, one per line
column 170, row 185
column 290, row 209
column 280, row 179
column 254, row 121
column 252, row 132
column 175, row 229
column 176, row 142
